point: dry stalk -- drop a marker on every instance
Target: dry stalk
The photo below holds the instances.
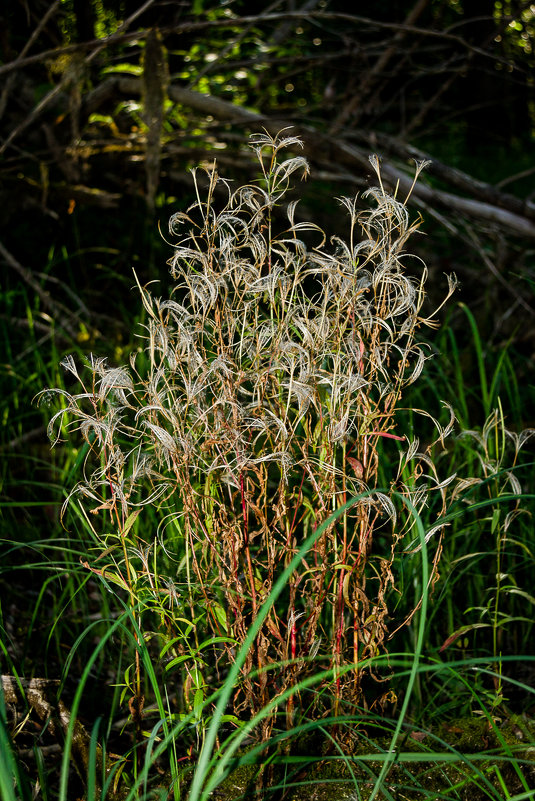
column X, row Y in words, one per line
column 275, row 373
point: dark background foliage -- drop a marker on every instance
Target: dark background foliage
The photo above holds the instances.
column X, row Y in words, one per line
column 105, row 105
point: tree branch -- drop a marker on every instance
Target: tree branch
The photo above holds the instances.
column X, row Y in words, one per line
column 367, row 81
column 455, row 177
column 237, row 22
column 518, row 220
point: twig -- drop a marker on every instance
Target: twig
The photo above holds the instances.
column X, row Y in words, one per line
column 371, row 75
column 198, row 26
column 35, row 33
column 496, row 273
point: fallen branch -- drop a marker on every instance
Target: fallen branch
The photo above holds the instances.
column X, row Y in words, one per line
column 350, row 155
column 39, row 695
column 455, row 177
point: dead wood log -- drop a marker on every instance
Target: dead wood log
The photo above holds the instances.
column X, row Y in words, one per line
column 490, row 207
column 40, row 695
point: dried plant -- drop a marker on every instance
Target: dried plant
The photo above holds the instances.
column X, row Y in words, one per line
column 274, row 375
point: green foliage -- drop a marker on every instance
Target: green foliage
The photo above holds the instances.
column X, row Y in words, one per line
column 134, row 616
column 127, row 618
column 273, row 372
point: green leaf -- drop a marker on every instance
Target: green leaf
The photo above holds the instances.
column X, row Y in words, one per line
column 198, row 702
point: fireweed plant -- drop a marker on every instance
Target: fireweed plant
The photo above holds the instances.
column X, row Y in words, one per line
column 268, row 384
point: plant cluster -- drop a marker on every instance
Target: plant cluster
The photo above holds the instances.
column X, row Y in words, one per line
column 268, row 385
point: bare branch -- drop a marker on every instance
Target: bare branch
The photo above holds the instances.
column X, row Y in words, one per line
column 368, row 80
column 348, row 154
column 455, row 177
column 228, row 22
column 35, row 33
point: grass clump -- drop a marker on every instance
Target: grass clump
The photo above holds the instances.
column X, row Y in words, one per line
column 255, row 522
column 268, row 385
column 256, row 503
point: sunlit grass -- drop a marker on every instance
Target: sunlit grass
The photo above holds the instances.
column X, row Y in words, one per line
column 125, row 616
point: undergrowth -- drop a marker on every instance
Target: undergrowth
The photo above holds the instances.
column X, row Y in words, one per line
column 269, row 378
column 266, row 506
